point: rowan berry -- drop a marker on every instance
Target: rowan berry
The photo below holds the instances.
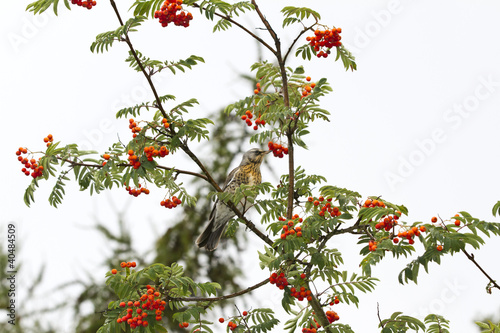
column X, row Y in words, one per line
column 221, row 320
column 439, row 248
column 85, row 4
column 324, row 40
column 114, row 271
column 277, row 149
column 244, row 313
column 434, row 219
column 171, row 11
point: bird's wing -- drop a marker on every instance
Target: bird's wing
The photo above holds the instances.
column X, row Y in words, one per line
column 230, row 178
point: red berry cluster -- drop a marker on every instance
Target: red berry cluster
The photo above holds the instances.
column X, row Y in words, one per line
column 48, row 139
column 372, row 245
column 387, row 223
column 247, row 118
column 169, row 13
column 84, row 4
column 288, row 229
column 151, row 152
column 137, row 311
column 184, row 324
column 277, row 149
column 171, row 203
column 133, row 159
column 335, row 301
column 232, row 325
column 332, row 316
column 410, row 234
column 369, row 203
column 324, row 40
column 29, row 164
column 326, row 208
column 137, row 191
column 133, row 126
column 280, row 280
column 257, row 88
column 301, row 294
column 128, row 264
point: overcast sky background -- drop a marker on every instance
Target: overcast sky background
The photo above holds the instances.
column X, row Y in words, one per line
column 418, row 123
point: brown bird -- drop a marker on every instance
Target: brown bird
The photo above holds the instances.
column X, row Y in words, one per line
column 248, row 173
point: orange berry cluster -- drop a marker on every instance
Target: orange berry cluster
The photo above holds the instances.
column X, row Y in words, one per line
column 335, row 301
column 171, row 203
column 331, row 315
column 387, row 223
column 29, row 164
column 306, row 90
column 184, row 324
column 324, row 40
column 133, row 126
column 165, row 123
column 137, row 311
column 277, row 149
column 137, row 191
column 257, row 88
column 410, row 234
column 326, row 207
column 280, row 280
column 288, row 229
column 247, row 118
column 232, row 325
column 84, row 4
column 369, row 203
column 151, row 152
column 129, row 264
column 133, row 159
column 48, row 139
column 168, row 14
column 372, row 245
column 301, row 294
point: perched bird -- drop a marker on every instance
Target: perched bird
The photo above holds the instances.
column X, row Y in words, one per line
column 248, row 173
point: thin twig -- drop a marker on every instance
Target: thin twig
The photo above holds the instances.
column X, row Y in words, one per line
column 220, row 298
column 471, row 258
column 99, row 166
column 378, row 315
column 229, row 19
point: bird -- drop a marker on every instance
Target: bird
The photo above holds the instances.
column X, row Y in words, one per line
column 248, row 173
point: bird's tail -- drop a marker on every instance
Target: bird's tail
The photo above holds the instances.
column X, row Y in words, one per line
column 209, row 238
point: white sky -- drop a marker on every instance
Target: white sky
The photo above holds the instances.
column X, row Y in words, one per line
column 422, row 110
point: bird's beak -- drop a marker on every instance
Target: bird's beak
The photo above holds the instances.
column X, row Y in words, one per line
column 265, row 152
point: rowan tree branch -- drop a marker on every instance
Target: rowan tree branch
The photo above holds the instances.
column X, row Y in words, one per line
column 139, row 63
column 219, row 298
column 99, row 166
